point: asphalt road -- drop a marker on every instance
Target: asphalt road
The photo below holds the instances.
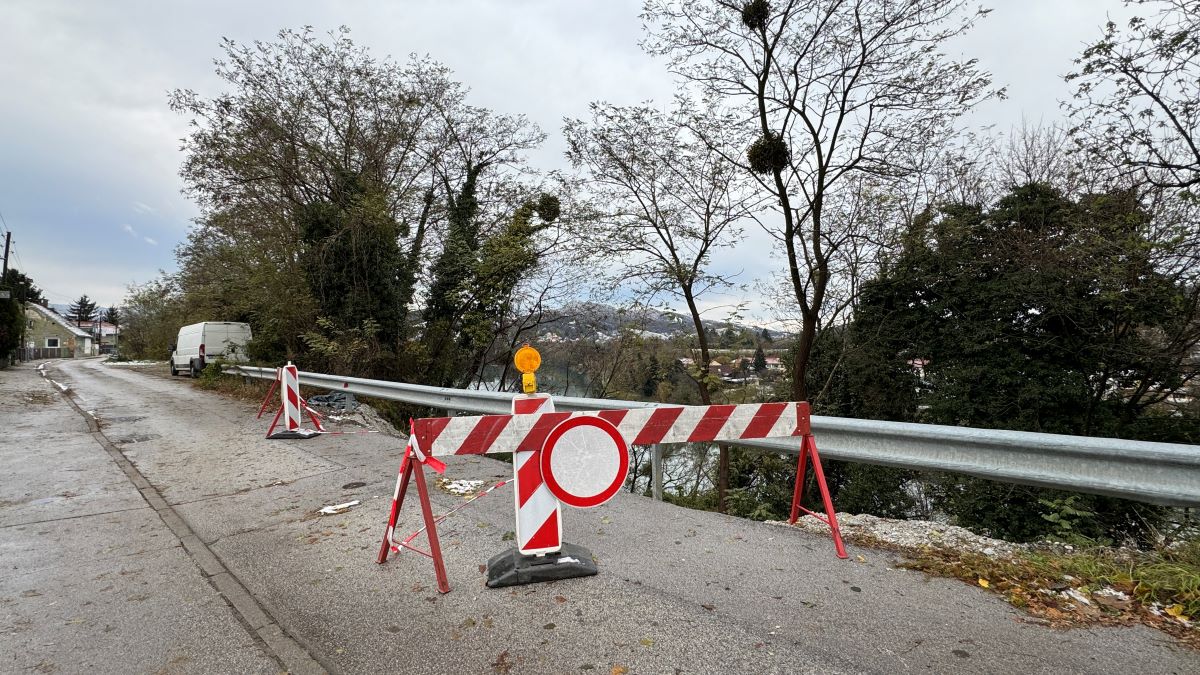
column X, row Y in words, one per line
column 177, row 539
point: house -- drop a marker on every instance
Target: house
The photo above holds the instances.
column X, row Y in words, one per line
column 103, row 333
column 49, row 335
column 774, row 364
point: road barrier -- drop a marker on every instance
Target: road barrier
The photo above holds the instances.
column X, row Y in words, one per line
column 1161, row 473
column 290, row 406
column 594, row 452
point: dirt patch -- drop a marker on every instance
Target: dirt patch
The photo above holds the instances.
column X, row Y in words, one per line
column 38, row 398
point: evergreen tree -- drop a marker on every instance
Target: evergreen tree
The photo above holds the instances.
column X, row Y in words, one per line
column 760, row 359
column 1041, row 313
column 354, row 255
column 82, row 310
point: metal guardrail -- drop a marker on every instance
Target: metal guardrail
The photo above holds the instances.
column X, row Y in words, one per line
column 1161, row 473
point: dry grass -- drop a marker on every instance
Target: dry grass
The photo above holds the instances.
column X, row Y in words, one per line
column 233, row 386
column 1162, row 587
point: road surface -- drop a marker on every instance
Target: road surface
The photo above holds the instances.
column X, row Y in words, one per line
column 177, row 539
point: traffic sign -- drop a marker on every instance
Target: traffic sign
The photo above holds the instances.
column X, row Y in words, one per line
column 584, row 461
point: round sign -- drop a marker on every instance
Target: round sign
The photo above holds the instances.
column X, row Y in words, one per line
column 584, row 461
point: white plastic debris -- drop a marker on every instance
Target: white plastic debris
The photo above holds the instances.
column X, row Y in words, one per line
column 1077, row 596
column 1109, row 591
column 338, row 508
column 461, row 487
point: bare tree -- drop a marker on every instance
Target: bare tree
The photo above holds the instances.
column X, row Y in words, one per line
column 1137, row 95
column 832, row 89
column 669, row 202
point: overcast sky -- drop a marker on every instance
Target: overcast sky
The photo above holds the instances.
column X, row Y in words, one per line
column 89, row 151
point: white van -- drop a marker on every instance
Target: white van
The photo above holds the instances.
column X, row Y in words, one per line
column 200, row 343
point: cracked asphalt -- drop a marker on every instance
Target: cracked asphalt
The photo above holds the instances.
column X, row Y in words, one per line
column 170, row 536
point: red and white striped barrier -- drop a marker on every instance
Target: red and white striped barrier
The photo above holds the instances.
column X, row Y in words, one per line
column 643, row 426
column 291, row 406
column 595, row 447
column 313, row 414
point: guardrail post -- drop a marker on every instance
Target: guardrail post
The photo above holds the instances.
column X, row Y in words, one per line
column 656, row 476
column 451, row 412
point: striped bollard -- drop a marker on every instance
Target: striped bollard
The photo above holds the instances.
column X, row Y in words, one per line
column 539, row 520
column 292, row 407
column 540, row 554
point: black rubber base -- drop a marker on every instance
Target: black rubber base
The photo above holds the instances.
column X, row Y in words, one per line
column 510, row 568
column 301, row 434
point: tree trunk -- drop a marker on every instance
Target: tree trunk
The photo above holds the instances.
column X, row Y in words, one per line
column 706, row 396
column 803, row 353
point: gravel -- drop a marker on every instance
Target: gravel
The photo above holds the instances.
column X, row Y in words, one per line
column 911, row 533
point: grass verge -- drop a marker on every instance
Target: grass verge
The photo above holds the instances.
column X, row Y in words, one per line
column 1064, row 587
column 234, row 386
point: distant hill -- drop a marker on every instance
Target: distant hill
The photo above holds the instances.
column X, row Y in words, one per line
column 599, row 321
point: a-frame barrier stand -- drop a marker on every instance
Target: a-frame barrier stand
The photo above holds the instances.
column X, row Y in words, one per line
column 413, row 464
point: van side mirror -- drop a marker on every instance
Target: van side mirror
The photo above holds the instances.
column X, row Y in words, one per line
column 172, row 346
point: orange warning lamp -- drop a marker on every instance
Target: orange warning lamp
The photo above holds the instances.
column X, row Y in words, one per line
column 527, row 360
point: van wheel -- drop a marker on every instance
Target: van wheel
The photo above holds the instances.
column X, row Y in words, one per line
column 174, row 370
column 192, row 369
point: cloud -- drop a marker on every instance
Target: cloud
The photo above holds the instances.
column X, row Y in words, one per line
column 131, row 231
column 99, row 92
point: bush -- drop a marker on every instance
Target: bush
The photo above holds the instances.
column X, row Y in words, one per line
column 1020, row 513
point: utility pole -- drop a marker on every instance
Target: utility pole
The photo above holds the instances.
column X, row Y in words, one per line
column 7, row 244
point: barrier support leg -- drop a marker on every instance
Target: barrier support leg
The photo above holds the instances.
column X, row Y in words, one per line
column 397, row 498
column 435, row 549
column 808, row 450
column 274, row 421
column 270, row 392
column 312, row 414
column 801, row 470
column 409, row 467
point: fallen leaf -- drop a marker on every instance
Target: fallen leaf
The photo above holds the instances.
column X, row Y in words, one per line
column 709, row 607
column 1175, row 610
column 501, row 664
column 859, row 558
column 618, row 670
column 646, row 642
column 549, row 626
column 559, row 599
column 984, row 583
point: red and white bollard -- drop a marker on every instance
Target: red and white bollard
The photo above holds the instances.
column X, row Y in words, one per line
column 290, row 408
column 539, row 519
